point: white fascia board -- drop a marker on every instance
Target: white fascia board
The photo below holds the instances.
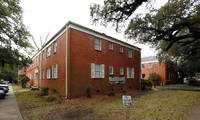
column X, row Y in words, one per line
column 150, row 61
column 99, row 35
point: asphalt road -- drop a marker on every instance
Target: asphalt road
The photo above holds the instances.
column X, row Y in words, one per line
column 9, row 109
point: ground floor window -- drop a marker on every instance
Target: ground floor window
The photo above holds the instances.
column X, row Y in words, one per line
column 97, row 70
column 48, row 73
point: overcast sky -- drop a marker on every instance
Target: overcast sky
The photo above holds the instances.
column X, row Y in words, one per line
column 48, row 16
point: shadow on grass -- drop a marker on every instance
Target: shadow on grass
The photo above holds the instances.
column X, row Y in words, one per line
column 180, row 87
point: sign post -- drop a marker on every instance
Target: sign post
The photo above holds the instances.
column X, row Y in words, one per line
column 127, row 102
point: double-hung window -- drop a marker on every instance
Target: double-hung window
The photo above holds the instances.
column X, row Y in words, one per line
column 55, row 46
column 43, row 54
column 48, row 51
column 97, row 44
column 150, row 65
column 130, row 72
column 111, row 70
column 97, row 70
column 142, row 66
column 121, row 49
column 110, row 45
column 129, row 53
column 55, row 71
column 43, row 74
column 48, row 73
column 40, row 56
column 121, row 71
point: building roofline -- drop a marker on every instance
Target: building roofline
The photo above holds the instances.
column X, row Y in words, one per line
column 86, row 28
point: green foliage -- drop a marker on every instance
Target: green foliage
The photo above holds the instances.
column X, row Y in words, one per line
column 154, row 76
column 8, row 75
column 145, row 84
column 193, row 82
column 23, row 80
column 88, row 88
column 51, row 98
column 45, row 91
column 13, row 34
column 168, row 82
column 124, row 90
column 111, row 93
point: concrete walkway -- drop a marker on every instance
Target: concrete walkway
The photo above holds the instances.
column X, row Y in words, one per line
column 9, row 109
column 195, row 112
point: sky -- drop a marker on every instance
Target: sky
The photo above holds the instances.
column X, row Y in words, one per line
column 43, row 17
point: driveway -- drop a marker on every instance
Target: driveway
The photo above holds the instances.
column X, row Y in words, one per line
column 9, row 109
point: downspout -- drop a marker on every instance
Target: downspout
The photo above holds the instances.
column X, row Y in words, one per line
column 41, row 70
column 66, row 62
column 140, row 70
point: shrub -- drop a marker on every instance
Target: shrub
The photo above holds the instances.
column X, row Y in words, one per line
column 23, row 80
column 88, row 90
column 145, row 84
column 45, row 91
column 154, row 77
column 51, row 98
column 193, row 81
column 111, row 93
column 124, row 90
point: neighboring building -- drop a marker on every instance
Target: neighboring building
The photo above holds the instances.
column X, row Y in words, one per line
column 166, row 70
column 77, row 56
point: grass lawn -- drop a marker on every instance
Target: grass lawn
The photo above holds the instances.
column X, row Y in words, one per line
column 180, row 87
column 17, row 87
column 160, row 105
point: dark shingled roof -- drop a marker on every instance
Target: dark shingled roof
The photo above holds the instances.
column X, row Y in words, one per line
column 149, row 58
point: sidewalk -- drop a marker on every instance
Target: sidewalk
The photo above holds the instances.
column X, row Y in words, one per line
column 9, row 109
column 195, row 112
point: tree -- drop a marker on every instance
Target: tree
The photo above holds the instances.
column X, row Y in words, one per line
column 13, row 35
column 154, row 77
column 23, row 80
column 174, row 29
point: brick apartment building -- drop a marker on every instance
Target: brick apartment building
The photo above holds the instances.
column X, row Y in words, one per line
column 166, row 70
column 76, row 56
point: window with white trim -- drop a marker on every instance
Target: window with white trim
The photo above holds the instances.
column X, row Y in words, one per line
column 130, row 72
column 43, row 54
column 121, row 71
column 150, row 65
column 48, row 51
column 40, row 74
column 111, row 70
column 142, row 65
column 97, row 44
column 55, row 71
column 43, row 74
column 110, row 45
column 121, row 49
column 143, row 76
column 55, row 46
column 97, row 70
column 48, row 73
column 129, row 53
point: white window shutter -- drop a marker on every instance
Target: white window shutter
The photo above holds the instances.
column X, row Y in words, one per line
column 132, row 74
column 56, row 70
column 52, row 73
column 102, row 71
column 92, row 70
column 127, row 72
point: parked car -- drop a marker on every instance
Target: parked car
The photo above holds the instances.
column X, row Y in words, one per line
column 4, row 87
column 2, row 93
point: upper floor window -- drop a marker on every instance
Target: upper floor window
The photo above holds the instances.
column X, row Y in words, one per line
column 150, row 65
column 97, row 70
column 110, row 45
column 48, row 51
column 111, row 70
column 43, row 54
column 97, row 44
column 130, row 72
column 48, row 73
column 142, row 66
column 40, row 56
column 129, row 53
column 121, row 49
column 55, row 46
column 121, row 71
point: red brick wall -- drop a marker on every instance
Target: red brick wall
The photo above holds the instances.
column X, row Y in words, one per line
column 82, row 54
column 157, row 68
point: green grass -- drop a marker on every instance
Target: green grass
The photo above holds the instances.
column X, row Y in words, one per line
column 17, row 87
column 180, row 87
column 161, row 105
